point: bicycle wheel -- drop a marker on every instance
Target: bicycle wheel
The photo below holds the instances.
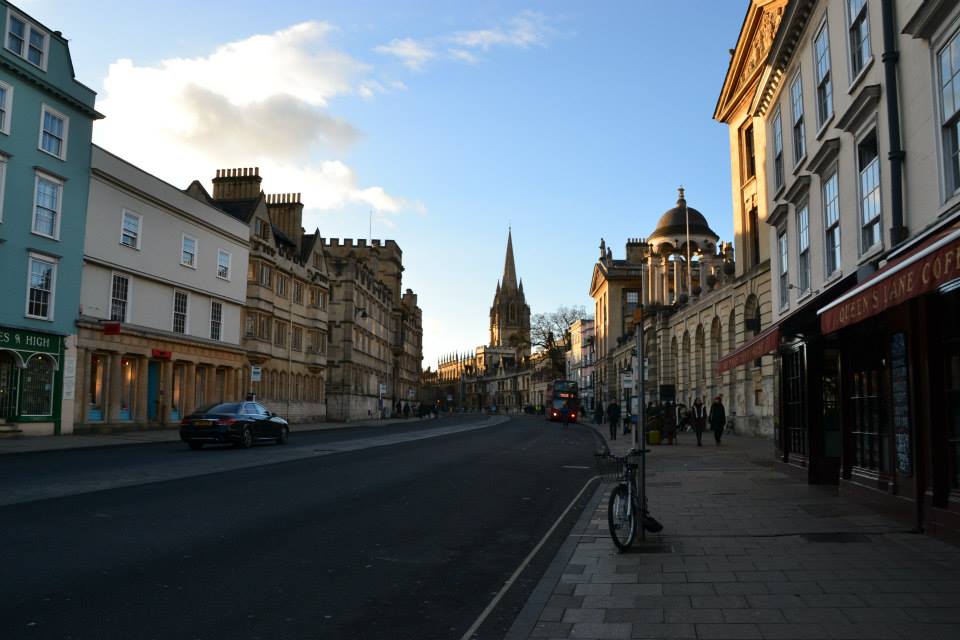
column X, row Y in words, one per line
column 622, row 518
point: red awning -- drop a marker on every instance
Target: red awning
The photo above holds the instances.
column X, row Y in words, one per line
column 924, row 269
column 761, row 344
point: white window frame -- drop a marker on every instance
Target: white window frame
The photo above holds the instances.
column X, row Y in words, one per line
column 123, row 218
column 3, row 182
column 126, row 307
column 196, row 250
column 38, row 175
column 186, row 313
column 797, row 120
column 783, row 262
column 947, row 122
column 864, row 251
column 224, row 252
column 7, row 107
column 855, row 73
column 824, row 85
column 28, row 26
column 44, row 110
column 51, row 309
column 779, row 177
column 216, row 322
column 803, row 252
column 828, row 226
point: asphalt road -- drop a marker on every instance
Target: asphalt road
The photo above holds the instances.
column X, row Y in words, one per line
column 346, row 534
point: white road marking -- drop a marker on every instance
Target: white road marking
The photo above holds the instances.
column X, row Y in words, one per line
column 523, row 565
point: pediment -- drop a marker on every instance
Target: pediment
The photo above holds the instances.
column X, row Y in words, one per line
column 598, row 278
column 750, row 55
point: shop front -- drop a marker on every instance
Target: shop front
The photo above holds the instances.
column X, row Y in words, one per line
column 31, row 380
column 899, row 342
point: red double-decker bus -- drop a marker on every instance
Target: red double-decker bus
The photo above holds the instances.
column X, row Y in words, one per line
column 562, row 396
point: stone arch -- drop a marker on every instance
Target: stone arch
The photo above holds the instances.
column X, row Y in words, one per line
column 700, row 347
column 671, row 371
column 17, row 359
column 686, row 361
column 41, row 356
column 716, row 350
column 732, row 331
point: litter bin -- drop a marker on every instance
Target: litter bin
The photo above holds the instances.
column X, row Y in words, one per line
column 653, row 437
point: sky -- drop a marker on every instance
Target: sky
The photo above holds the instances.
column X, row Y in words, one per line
column 444, row 122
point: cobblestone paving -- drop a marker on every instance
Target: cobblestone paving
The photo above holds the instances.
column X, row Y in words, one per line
column 750, row 552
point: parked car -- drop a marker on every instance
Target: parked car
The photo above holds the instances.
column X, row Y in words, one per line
column 238, row 423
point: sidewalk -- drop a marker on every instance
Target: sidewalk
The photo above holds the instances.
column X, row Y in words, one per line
column 26, row 444
column 746, row 551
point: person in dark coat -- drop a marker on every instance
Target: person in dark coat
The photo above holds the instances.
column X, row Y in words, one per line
column 699, row 417
column 670, row 422
column 598, row 414
column 613, row 417
column 718, row 418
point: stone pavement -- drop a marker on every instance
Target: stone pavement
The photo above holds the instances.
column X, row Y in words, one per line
column 746, row 551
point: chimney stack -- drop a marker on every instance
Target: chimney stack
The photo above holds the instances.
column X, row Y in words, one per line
column 237, row 184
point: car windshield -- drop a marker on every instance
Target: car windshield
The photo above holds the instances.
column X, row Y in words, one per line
column 226, row 407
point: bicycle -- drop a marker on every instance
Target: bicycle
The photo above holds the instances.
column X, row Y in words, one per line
column 624, row 504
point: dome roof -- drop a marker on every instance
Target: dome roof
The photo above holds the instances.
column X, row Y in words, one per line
column 673, row 223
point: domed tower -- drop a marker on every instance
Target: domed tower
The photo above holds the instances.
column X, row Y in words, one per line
column 682, row 234
column 510, row 315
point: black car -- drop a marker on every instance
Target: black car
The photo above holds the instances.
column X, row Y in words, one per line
column 238, row 423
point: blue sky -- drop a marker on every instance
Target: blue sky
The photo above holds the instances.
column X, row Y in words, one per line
column 570, row 121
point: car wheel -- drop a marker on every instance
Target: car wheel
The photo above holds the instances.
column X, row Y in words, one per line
column 284, row 436
column 246, row 438
column 196, row 446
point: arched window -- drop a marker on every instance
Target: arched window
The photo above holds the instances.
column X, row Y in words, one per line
column 37, row 387
column 686, row 362
column 701, row 351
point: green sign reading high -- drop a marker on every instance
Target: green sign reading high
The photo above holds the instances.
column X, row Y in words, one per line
column 29, row 341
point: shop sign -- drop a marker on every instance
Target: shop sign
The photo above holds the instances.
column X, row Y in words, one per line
column 255, row 374
column 29, row 341
column 924, row 273
column 160, row 354
column 759, row 346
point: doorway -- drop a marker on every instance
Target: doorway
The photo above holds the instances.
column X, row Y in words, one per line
column 9, row 374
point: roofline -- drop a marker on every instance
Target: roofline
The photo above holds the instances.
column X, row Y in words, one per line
column 726, row 78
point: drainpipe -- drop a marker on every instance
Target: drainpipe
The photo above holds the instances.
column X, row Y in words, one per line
column 890, row 57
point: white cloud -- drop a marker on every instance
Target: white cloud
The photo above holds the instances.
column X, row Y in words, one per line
column 463, row 55
column 413, row 54
column 261, row 102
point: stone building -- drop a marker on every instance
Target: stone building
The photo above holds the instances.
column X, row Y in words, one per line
column 376, row 331
column 46, row 118
column 162, row 296
column 580, row 360
column 509, row 314
column 284, row 329
column 858, row 104
column 695, row 308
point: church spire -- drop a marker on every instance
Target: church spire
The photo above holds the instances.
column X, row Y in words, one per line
column 509, row 268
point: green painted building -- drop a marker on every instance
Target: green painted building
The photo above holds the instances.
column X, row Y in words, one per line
column 46, row 119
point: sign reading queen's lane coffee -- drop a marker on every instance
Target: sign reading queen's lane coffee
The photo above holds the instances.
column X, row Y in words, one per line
column 924, row 274
column 29, row 341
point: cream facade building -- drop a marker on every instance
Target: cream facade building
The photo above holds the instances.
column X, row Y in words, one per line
column 163, row 288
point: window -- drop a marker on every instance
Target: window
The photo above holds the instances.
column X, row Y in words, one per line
column 38, row 380
column 796, row 103
column 130, row 230
column 868, row 163
column 821, row 52
column 280, row 333
column 949, row 63
column 633, row 300
column 753, row 218
column 859, row 35
column 749, row 155
column 188, row 251
column 281, row 285
column 179, row 312
column 46, row 210
column 263, row 330
column 223, row 264
column 831, row 223
column 216, row 319
column 317, row 261
column 316, row 298
column 6, row 106
column 803, row 248
column 119, row 296
column 26, row 40
column 297, row 341
column 42, row 273
column 784, row 270
column 250, row 328
column 298, row 292
column 777, row 151
column 266, row 276
column 53, row 132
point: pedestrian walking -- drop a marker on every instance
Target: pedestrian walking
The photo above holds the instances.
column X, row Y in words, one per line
column 670, row 423
column 598, row 414
column 718, row 418
column 613, row 417
column 406, row 409
column 565, row 414
column 699, row 420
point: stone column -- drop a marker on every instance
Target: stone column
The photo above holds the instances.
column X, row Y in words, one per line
column 114, row 386
column 651, row 279
column 81, row 391
column 140, row 394
column 189, row 389
column 166, row 391
column 665, row 277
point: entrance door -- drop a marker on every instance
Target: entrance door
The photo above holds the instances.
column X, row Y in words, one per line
column 8, row 386
column 153, row 391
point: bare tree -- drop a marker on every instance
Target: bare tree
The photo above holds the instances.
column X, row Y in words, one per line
column 552, row 330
